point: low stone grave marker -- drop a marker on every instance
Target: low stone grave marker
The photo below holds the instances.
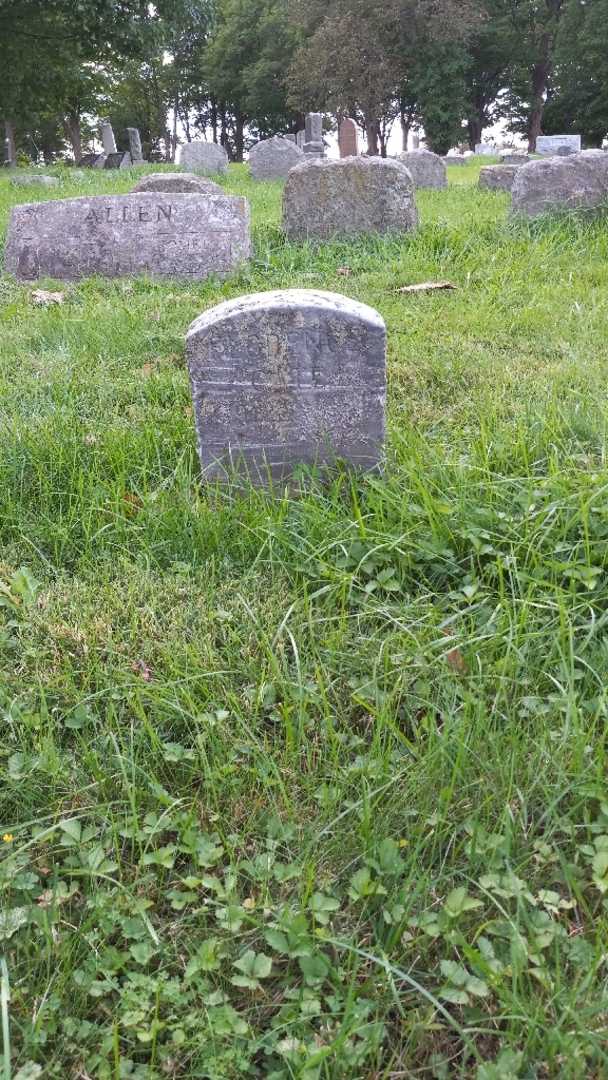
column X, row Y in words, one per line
column 348, row 138
column 34, row 180
column 554, row 184
column 92, row 161
column 283, row 378
column 427, row 169
column 324, row 198
column 119, row 160
column 271, row 159
column 204, row 157
column 497, row 177
column 174, row 235
column 553, row 144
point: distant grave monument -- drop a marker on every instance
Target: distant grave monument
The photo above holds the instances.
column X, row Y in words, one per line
column 120, row 160
column 313, row 136
column 173, row 235
column 137, row 156
column 348, row 138
column 497, row 177
column 203, row 157
column 286, row 378
column 484, row 149
column 92, row 161
column 271, row 159
column 554, row 144
column 427, row 169
column 107, row 138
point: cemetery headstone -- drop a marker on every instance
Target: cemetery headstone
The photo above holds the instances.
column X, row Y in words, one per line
column 427, row 169
column 313, row 138
column 137, row 156
column 271, row 159
column 286, row 378
column 484, row 149
column 579, row 181
column 552, row 144
column 301, row 138
column 172, row 235
column 497, row 177
column 203, row 157
column 348, row 138
column 455, row 159
column 119, row 160
column 107, row 138
column 34, row 180
column 93, row 161
column 324, row 198
column 514, row 157
column 180, row 182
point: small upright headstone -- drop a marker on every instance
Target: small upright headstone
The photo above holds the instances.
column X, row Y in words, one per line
column 348, row 138
column 135, row 149
column 301, row 138
column 284, row 378
column 119, row 160
column 272, row 159
column 313, row 138
column 164, row 235
column 349, row 197
column 107, row 138
column 415, row 142
column 203, row 157
column 552, row 144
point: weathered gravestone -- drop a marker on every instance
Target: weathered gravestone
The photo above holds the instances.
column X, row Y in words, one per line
column 497, row 177
column 34, row 180
column 552, row 144
column 427, row 169
column 120, row 160
column 184, row 182
column 108, row 140
column 204, row 157
column 348, row 197
column 576, row 182
column 484, row 149
column 137, row 156
column 454, row 159
column 313, row 136
column 513, row 157
column 287, row 378
column 348, row 138
column 300, row 138
column 189, row 236
column 271, row 159
column 92, row 161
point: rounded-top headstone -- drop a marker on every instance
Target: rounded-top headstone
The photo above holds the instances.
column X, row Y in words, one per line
column 283, row 378
column 350, row 197
column 271, row 159
column 575, row 182
column 203, row 157
column 178, row 182
column 427, row 169
column 497, row 177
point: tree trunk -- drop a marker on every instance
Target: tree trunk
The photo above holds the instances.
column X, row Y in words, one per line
column 475, row 128
column 239, row 137
column 371, row 133
column 214, row 119
column 540, row 79
column 174, row 131
column 71, row 126
column 10, row 151
column 405, row 131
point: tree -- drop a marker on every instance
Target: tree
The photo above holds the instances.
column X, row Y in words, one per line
column 578, row 95
column 536, row 24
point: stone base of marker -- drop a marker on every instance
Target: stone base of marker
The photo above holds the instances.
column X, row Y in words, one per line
column 173, row 235
column 284, row 379
column 351, row 197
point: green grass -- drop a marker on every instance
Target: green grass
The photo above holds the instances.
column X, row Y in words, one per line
column 312, row 785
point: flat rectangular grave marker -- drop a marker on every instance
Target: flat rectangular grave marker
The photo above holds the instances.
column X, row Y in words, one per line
column 551, row 144
column 164, row 235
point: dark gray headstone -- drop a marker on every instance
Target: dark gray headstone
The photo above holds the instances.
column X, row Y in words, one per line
column 92, row 161
column 575, row 182
column 203, row 157
column 135, row 149
column 272, row 159
column 118, row 160
column 181, row 236
column 284, row 378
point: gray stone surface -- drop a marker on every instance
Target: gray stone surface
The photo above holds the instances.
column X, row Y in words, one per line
column 107, row 138
column 484, row 149
column 180, row 182
column 300, row 138
column 551, row 144
column 497, row 177
column 181, row 236
column 514, row 157
column 313, row 136
column 135, row 149
column 576, row 182
column 348, row 138
column 427, row 169
column 93, row 161
column 454, row 159
column 203, row 157
column 349, row 197
column 286, row 378
column 120, row 160
column 34, row 180
column 272, row 159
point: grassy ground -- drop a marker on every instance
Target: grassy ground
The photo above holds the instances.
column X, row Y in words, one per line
column 310, row 786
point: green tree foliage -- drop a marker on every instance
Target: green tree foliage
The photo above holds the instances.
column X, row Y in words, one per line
column 578, row 99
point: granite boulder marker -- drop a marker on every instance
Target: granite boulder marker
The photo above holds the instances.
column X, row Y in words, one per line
column 351, row 197
column 285, row 378
column 187, row 236
column 271, row 159
column 348, row 138
column 575, row 182
column 203, row 157
column 427, row 169
column 178, row 182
